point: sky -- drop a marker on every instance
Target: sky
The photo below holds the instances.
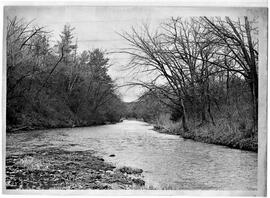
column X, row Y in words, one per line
column 99, row 27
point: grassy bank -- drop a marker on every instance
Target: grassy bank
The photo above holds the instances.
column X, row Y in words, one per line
column 231, row 134
column 54, row 168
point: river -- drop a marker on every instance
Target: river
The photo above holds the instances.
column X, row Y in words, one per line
column 168, row 161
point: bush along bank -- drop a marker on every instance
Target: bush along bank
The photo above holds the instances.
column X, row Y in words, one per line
column 64, row 118
column 46, row 126
column 221, row 133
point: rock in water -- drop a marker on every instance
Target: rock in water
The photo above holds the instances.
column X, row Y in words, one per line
column 138, row 181
column 130, row 170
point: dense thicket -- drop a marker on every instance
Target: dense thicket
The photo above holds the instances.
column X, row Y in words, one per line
column 54, row 86
column 204, row 70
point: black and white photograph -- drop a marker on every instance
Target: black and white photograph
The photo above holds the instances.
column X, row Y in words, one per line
column 138, row 99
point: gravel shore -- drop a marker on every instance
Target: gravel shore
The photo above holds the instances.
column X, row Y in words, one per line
column 54, row 168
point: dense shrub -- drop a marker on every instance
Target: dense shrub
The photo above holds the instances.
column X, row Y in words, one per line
column 55, row 86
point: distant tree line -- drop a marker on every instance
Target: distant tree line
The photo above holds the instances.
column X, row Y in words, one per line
column 54, row 86
column 147, row 107
column 203, row 70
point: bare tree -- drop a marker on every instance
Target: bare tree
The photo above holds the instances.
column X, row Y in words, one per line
column 238, row 42
column 151, row 54
column 24, row 45
column 192, row 48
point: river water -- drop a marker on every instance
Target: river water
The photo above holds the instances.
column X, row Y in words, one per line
column 168, row 161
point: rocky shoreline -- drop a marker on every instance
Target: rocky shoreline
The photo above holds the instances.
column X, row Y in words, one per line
column 55, row 168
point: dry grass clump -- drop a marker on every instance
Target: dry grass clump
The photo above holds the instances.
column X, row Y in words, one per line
column 235, row 133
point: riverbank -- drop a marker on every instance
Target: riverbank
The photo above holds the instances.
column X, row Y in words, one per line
column 17, row 129
column 41, row 117
column 129, row 143
column 55, row 168
column 220, row 134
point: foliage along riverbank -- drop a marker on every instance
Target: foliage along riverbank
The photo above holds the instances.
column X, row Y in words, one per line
column 221, row 134
column 203, row 73
column 56, row 86
column 31, row 127
column 54, row 168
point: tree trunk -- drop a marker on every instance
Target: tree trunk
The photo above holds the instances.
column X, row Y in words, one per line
column 203, row 104
column 253, row 76
column 203, row 113
column 254, row 96
column 184, row 117
column 209, row 102
column 228, row 87
column 255, row 101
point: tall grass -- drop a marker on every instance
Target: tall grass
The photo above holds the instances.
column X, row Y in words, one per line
column 229, row 130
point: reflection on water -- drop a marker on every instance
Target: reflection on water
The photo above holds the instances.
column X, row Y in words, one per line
column 168, row 161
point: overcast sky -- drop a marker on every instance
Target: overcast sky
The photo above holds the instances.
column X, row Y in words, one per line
column 97, row 27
